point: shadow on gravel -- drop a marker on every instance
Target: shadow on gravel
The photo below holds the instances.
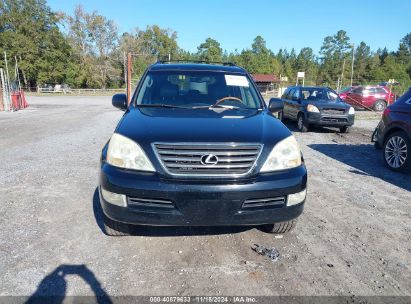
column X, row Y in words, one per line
column 97, row 211
column 292, row 126
column 53, row 288
column 365, row 160
column 167, row 231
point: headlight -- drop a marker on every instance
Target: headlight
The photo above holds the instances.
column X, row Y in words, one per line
column 285, row 155
column 124, row 153
column 351, row 111
column 311, row 108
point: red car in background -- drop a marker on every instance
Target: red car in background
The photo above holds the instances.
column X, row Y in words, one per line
column 343, row 93
column 375, row 97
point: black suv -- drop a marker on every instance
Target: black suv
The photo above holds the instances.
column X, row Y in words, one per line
column 197, row 146
column 319, row 106
column 393, row 134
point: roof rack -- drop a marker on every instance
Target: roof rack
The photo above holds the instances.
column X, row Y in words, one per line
column 195, row 61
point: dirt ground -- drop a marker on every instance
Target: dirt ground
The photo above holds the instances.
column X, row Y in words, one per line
column 354, row 237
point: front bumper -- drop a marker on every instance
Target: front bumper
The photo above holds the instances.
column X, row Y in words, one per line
column 200, row 203
column 321, row 119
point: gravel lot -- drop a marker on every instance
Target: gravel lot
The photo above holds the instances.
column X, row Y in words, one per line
column 354, row 237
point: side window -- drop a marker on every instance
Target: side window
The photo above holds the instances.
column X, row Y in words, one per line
column 285, row 93
column 296, row 95
column 380, row 91
column 290, row 94
column 357, row 91
column 372, row 91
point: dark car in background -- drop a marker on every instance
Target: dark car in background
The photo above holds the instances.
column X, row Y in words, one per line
column 393, row 134
column 387, row 83
column 374, row 97
column 197, row 146
column 319, row 106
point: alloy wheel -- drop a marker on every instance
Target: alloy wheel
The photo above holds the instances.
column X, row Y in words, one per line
column 396, row 152
column 380, row 106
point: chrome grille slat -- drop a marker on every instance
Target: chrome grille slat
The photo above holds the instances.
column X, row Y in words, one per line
column 134, row 199
column 333, row 111
column 205, row 146
column 221, row 159
column 185, row 159
column 141, row 202
column 264, row 202
column 218, row 153
column 152, row 205
column 178, row 165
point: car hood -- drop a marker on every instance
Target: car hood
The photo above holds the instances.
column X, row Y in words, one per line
column 148, row 125
column 322, row 104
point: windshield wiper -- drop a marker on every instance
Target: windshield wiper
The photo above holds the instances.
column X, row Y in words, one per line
column 228, row 107
column 159, row 106
column 218, row 106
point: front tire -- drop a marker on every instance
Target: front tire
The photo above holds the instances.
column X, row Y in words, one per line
column 280, row 227
column 380, row 105
column 114, row 228
column 302, row 124
column 397, row 152
column 344, row 130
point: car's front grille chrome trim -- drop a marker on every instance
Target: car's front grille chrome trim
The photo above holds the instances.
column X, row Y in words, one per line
column 333, row 111
column 264, row 203
column 185, row 159
column 196, row 152
column 144, row 202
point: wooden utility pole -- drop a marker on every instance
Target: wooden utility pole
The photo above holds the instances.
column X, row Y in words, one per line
column 7, row 70
column 125, row 68
column 17, row 73
column 342, row 76
column 24, row 76
column 128, row 78
column 352, row 65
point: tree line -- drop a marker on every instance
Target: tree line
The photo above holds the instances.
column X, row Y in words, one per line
column 85, row 50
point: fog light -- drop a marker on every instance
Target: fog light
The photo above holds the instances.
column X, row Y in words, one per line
column 296, row 198
column 114, row 198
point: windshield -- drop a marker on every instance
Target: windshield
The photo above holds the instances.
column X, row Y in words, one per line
column 197, row 89
column 317, row 94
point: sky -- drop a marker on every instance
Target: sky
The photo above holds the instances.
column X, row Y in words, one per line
column 283, row 24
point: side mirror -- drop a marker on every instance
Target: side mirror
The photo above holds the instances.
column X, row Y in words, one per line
column 275, row 105
column 120, row 101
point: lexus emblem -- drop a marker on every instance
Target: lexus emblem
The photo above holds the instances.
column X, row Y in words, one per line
column 209, row 160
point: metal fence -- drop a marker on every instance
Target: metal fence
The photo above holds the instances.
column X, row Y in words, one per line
column 71, row 91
